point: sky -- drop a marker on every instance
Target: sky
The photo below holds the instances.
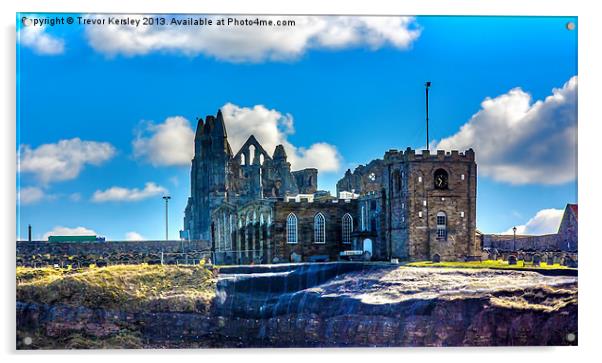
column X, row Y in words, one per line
column 106, row 113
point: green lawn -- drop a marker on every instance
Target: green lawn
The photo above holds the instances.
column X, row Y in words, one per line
column 487, row 264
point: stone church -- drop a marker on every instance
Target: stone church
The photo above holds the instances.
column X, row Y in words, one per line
column 255, row 209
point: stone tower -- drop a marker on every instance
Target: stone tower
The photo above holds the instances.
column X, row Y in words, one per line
column 431, row 208
column 209, row 175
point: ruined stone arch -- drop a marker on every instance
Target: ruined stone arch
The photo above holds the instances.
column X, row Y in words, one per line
column 252, row 153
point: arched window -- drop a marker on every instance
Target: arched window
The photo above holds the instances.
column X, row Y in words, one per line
column 396, row 181
column 442, row 226
column 441, row 179
column 242, row 159
column 319, row 228
column 291, row 228
column 252, row 160
column 347, row 228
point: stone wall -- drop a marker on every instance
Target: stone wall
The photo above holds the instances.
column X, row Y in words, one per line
column 42, row 253
column 305, row 212
column 501, row 242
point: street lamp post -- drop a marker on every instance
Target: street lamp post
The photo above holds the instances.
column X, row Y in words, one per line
column 514, row 240
column 166, row 198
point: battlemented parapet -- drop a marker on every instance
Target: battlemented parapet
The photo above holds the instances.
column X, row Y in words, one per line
column 410, row 154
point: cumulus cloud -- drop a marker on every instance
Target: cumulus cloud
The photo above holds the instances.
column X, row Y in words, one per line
column 66, row 231
column 521, row 142
column 172, row 142
column 133, row 236
column 36, row 38
column 30, row 195
column 120, row 194
column 256, row 43
column 546, row 221
column 271, row 128
column 167, row 143
column 63, row 160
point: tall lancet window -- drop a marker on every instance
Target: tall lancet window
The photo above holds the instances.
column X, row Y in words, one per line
column 347, row 227
column 291, row 228
column 319, row 228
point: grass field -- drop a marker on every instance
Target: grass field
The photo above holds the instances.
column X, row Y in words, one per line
column 487, row 264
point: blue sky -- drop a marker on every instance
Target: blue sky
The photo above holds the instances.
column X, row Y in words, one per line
column 358, row 95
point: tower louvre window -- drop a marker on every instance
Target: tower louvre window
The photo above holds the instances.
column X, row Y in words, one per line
column 441, row 179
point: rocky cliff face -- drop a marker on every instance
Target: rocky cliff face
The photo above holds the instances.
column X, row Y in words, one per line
column 359, row 306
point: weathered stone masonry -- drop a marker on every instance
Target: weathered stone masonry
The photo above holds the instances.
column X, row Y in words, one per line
column 406, row 205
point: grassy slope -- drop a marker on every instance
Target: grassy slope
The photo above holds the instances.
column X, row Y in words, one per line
column 122, row 287
column 487, row 264
column 125, row 288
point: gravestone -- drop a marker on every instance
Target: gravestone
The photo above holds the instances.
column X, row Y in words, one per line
column 436, row 258
column 550, row 260
column 569, row 262
column 528, row 258
column 536, row 260
column 511, row 260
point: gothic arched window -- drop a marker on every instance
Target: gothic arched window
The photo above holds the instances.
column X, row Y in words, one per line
column 319, row 228
column 347, row 227
column 291, row 228
column 441, row 179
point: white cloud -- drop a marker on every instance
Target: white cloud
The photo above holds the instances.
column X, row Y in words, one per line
column 75, row 197
column 520, row 142
column 168, row 143
column 256, row 43
column 63, row 160
column 133, row 236
column 546, row 221
column 120, row 194
column 172, row 142
column 271, row 128
column 66, row 231
column 36, row 38
column 30, row 195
